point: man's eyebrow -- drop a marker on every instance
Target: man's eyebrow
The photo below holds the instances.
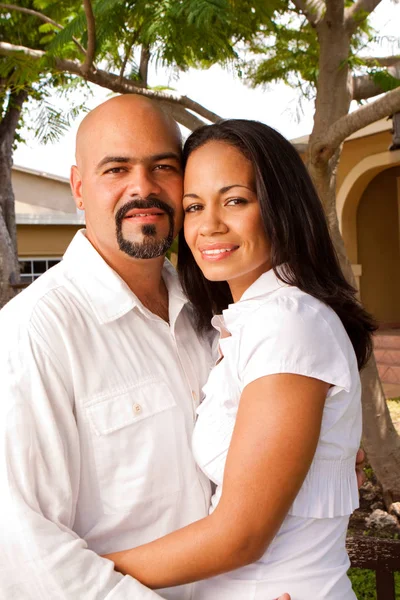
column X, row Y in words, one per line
column 113, row 159
column 127, row 159
column 165, row 156
column 223, row 190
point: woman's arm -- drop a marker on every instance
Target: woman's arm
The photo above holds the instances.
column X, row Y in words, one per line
column 262, row 477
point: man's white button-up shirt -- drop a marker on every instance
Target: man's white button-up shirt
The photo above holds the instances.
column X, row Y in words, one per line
column 98, row 400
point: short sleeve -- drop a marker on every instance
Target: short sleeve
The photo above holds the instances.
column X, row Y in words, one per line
column 305, row 337
column 294, row 335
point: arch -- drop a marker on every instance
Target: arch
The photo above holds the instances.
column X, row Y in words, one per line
column 351, row 190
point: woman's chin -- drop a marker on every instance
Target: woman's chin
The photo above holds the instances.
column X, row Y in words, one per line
column 214, row 274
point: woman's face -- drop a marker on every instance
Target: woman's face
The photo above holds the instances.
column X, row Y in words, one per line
column 223, row 226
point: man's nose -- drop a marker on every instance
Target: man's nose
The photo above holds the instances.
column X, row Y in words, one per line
column 143, row 183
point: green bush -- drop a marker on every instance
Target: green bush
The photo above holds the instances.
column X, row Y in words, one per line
column 363, row 582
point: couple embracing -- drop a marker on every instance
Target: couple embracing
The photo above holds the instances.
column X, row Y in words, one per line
column 126, row 391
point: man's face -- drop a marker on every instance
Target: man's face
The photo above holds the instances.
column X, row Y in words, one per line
column 129, row 180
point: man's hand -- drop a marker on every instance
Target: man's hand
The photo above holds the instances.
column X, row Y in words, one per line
column 360, row 461
column 284, row 597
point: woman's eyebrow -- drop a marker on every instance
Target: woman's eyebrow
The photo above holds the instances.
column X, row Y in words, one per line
column 222, row 190
column 226, row 188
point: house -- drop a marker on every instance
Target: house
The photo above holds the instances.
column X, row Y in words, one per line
column 46, row 217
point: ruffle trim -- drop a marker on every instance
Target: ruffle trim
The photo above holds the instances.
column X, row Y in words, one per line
column 329, row 490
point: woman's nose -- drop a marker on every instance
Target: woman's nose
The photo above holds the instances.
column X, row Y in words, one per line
column 212, row 223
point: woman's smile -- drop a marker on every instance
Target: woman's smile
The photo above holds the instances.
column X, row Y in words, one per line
column 216, row 251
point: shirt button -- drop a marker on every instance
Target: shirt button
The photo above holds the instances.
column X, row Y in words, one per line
column 137, row 409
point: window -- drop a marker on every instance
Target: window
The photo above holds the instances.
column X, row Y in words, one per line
column 32, row 268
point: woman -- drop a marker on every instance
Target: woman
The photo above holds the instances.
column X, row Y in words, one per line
column 293, row 338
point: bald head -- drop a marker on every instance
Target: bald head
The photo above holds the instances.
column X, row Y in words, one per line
column 128, row 113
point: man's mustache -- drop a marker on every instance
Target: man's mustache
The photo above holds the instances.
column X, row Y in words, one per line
column 144, row 203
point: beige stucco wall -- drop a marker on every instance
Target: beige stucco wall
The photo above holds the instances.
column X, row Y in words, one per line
column 357, row 149
column 37, row 190
column 44, row 240
column 378, row 246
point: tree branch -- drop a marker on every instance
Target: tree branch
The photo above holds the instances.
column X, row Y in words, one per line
column 358, row 12
column 381, row 61
column 128, row 51
column 43, row 18
column 348, row 124
column 313, row 10
column 365, row 87
column 121, row 86
column 91, row 31
column 144, row 64
column 335, row 12
column 183, row 116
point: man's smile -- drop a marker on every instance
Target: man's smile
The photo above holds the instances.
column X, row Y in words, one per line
column 147, row 215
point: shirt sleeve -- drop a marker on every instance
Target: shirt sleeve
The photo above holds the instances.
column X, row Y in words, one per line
column 41, row 556
column 292, row 336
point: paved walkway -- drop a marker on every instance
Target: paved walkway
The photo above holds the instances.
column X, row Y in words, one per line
column 392, row 390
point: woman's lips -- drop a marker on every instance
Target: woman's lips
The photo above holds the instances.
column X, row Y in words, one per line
column 217, row 252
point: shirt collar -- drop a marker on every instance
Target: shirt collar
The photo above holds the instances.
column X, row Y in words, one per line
column 106, row 292
column 252, row 298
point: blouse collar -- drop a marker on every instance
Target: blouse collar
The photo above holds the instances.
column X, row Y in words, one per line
column 253, row 297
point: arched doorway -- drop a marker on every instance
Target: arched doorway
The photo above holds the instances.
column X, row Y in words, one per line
column 368, row 210
column 378, row 246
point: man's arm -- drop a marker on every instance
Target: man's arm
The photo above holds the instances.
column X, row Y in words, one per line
column 41, row 556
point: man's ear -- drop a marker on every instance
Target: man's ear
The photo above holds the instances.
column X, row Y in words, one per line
column 76, row 187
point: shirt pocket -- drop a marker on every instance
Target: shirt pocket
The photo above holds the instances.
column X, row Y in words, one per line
column 134, row 436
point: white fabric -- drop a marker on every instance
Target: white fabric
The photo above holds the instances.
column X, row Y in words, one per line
column 98, row 399
column 276, row 328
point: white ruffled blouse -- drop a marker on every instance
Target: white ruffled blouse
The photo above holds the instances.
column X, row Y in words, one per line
column 277, row 328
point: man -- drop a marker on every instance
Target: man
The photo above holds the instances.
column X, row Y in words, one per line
column 100, row 375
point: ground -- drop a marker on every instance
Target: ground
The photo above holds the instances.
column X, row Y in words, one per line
column 370, row 499
column 394, row 408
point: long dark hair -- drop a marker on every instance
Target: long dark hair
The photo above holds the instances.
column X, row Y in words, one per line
column 295, row 224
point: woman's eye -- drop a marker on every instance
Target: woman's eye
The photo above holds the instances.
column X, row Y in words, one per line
column 236, row 201
column 193, row 208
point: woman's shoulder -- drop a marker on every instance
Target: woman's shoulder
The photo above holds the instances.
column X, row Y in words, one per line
column 291, row 331
column 289, row 308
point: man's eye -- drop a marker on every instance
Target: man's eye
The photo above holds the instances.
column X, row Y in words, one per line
column 115, row 170
column 164, row 167
column 193, row 208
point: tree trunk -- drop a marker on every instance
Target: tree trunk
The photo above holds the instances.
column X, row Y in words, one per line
column 9, row 268
column 380, row 439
